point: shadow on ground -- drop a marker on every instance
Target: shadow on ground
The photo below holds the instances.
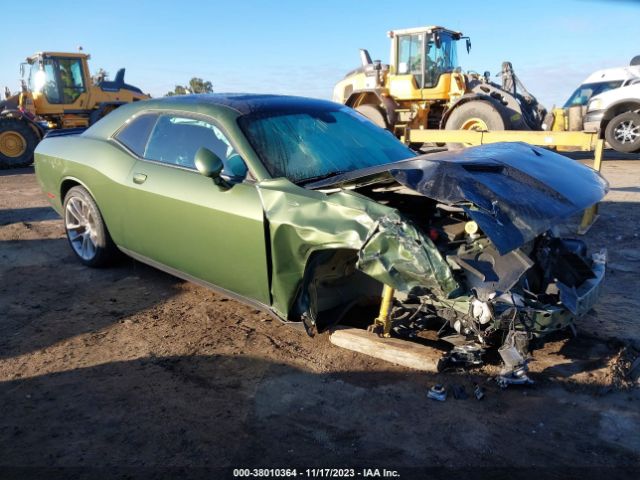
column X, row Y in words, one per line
column 33, row 214
column 236, row 411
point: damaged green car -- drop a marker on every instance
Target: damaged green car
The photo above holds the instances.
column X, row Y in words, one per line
column 305, row 208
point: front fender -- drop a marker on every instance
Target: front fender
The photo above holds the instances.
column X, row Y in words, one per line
column 301, row 222
column 397, row 254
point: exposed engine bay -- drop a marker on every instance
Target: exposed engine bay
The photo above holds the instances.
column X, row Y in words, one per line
column 502, row 301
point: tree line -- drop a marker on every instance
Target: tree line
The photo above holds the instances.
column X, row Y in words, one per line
column 196, row 85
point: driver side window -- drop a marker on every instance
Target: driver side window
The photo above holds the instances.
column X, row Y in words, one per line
column 175, row 140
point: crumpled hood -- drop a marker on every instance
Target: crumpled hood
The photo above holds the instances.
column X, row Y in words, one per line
column 513, row 191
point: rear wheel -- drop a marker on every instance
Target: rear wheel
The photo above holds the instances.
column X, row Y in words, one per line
column 17, row 143
column 373, row 113
column 623, row 132
column 475, row 115
column 86, row 231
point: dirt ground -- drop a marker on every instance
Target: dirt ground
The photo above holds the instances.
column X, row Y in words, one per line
column 129, row 371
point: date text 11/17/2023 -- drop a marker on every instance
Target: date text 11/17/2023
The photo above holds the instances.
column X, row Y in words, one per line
column 315, row 473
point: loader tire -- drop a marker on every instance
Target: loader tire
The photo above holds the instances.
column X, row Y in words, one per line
column 17, row 143
column 374, row 114
column 475, row 115
column 623, row 132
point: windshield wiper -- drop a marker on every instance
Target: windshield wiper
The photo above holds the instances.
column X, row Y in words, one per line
column 321, row 177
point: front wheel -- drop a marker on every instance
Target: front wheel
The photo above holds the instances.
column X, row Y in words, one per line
column 85, row 228
column 623, row 132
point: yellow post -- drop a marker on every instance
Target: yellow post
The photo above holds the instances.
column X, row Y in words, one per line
column 383, row 320
column 597, row 158
column 591, row 214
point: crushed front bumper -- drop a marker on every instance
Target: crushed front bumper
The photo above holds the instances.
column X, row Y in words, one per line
column 574, row 303
column 582, row 299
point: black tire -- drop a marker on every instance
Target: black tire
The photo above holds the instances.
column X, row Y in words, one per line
column 104, row 250
column 623, row 132
column 464, row 116
column 14, row 131
column 374, row 114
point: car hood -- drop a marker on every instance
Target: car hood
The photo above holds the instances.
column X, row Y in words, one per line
column 513, row 191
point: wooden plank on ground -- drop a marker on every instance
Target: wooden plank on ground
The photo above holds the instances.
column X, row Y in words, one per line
column 394, row 350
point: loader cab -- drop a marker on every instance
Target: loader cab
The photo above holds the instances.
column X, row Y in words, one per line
column 57, row 80
column 423, row 61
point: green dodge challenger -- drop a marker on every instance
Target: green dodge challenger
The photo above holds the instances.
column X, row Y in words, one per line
column 305, row 208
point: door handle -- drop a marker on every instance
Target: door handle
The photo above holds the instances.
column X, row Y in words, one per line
column 139, row 178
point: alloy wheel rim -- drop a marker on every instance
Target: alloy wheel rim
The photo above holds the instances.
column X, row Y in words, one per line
column 81, row 228
column 12, row 144
column 627, row 132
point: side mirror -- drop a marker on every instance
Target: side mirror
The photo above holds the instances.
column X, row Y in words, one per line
column 208, row 163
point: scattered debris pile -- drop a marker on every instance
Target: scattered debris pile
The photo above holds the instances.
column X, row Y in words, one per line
column 439, row 392
column 514, row 355
column 625, row 368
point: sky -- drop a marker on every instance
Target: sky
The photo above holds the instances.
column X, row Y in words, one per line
column 303, row 47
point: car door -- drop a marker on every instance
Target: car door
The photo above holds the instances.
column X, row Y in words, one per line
column 180, row 219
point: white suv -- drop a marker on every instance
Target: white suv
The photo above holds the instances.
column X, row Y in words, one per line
column 617, row 114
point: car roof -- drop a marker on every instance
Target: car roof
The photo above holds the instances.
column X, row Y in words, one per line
column 226, row 107
column 243, row 103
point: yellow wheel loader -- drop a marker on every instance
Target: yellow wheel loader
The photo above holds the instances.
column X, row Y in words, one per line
column 57, row 92
column 424, row 87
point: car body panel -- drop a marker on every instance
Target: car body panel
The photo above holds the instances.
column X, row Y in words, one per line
column 512, row 190
column 183, row 220
column 102, row 169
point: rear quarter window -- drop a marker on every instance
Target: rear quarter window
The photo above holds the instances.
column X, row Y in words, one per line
column 135, row 134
